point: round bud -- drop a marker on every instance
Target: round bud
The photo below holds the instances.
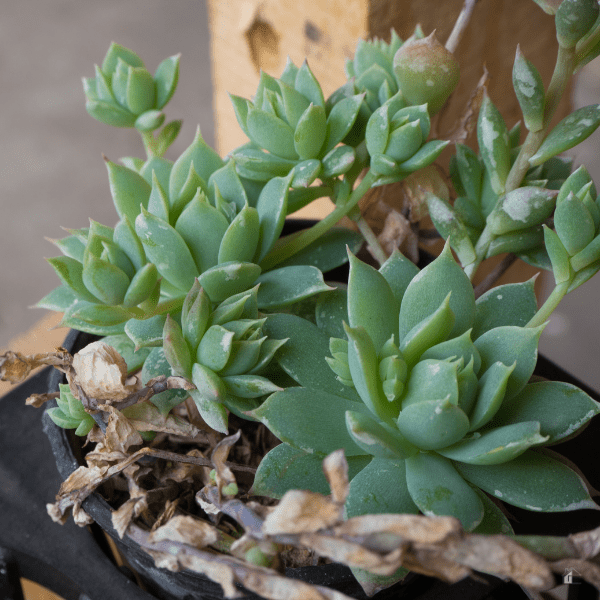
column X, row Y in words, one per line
column 426, row 72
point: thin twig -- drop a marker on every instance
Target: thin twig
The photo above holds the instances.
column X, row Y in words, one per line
column 491, row 278
column 461, row 24
column 375, row 247
column 195, row 460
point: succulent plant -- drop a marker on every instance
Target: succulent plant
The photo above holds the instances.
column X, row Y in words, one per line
column 70, row 413
column 430, row 399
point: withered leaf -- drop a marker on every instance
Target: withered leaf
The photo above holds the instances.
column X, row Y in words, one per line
column 301, row 511
column 37, row 400
column 120, row 432
column 145, row 416
column 224, row 475
column 187, row 530
column 335, row 468
column 16, row 367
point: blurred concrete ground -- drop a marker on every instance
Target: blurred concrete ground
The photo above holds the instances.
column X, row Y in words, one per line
column 52, row 173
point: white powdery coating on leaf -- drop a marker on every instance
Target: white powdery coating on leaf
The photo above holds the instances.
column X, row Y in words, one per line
column 498, row 494
column 516, row 207
column 526, row 81
column 430, row 83
column 439, row 212
column 489, row 135
column 231, row 273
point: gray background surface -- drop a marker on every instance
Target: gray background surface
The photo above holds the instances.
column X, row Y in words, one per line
column 51, row 169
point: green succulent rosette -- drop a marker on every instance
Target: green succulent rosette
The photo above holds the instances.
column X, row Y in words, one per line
column 125, row 94
column 291, row 127
column 428, row 392
column 221, row 347
column 178, row 221
column 70, row 413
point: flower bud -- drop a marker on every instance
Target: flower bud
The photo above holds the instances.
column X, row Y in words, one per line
column 426, row 72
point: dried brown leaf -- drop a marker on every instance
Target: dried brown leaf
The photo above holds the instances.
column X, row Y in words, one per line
column 397, row 234
column 145, row 416
column 187, row 530
column 101, row 372
column 120, row 433
column 189, row 472
column 167, row 513
column 335, row 468
column 587, row 543
column 589, row 571
column 129, row 510
column 37, row 400
column 224, row 475
column 301, row 511
column 468, row 120
column 16, row 367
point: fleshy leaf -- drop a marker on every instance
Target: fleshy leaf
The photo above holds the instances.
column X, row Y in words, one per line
column 560, row 408
column 438, row 489
column 128, row 190
column 509, row 304
column 146, row 332
column 302, row 356
column 380, row 488
column 228, row 278
column 281, row 287
column 126, row 348
column 398, row 271
column 310, row 419
column 156, row 365
column 429, row 288
column 490, row 393
column 496, row 446
column 509, row 344
column 371, row 303
column 533, row 481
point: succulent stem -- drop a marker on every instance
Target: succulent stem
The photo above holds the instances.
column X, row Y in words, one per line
column 585, row 47
column 563, row 70
column 149, row 143
column 371, row 239
column 481, row 248
column 310, row 235
column 543, row 314
column 461, row 24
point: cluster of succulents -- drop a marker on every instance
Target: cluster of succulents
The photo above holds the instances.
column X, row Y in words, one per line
column 424, row 387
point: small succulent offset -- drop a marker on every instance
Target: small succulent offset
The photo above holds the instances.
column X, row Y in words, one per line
column 427, row 389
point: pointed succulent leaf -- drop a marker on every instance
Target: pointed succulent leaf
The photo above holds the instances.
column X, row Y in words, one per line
column 286, row 468
column 301, row 357
column 338, row 161
column 307, row 84
column 469, row 170
column 205, row 160
column 424, row 156
column 432, row 330
column 574, row 224
column 244, row 355
column 573, row 19
column 229, row 184
column 521, row 208
column 375, row 439
column 259, row 166
column 165, row 78
column 128, row 190
column 240, row 240
column 214, row 414
column 560, row 408
column 70, row 272
column 115, row 256
column 176, row 350
column 284, row 286
column 380, row 488
column 306, row 172
column 429, row 288
column 496, row 446
column 398, row 271
column 490, row 393
column 202, row 228
column 215, row 348
column 508, row 344
column 271, row 133
column 149, row 120
column 572, row 130
column 71, row 246
column 110, row 114
column 272, row 210
column 228, row 278
column 267, row 351
column 451, row 228
column 167, row 136
column 509, row 304
column 492, row 136
column 309, row 419
column 456, row 348
column 517, row 242
column 238, row 306
column 309, row 133
column 378, row 131
column 583, row 275
column 66, row 421
column 166, row 248
column 249, row 386
column 363, row 364
column 559, row 257
column 432, row 379
column 208, row 384
column 295, row 103
column 58, row 300
column 437, row 488
column 116, row 52
column 141, row 91
column 195, row 314
column 533, row 481
column 147, row 332
column 371, row 302
column 98, row 314
column 341, row 119
column 574, row 183
column 241, row 106
column 126, row 348
column 586, row 257
column 158, row 202
column 127, row 239
column 529, row 88
column 404, row 141
column 142, row 285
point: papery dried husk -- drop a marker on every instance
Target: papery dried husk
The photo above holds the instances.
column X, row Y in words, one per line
column 188, row 530
column 16, row 367
column 101, row 372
